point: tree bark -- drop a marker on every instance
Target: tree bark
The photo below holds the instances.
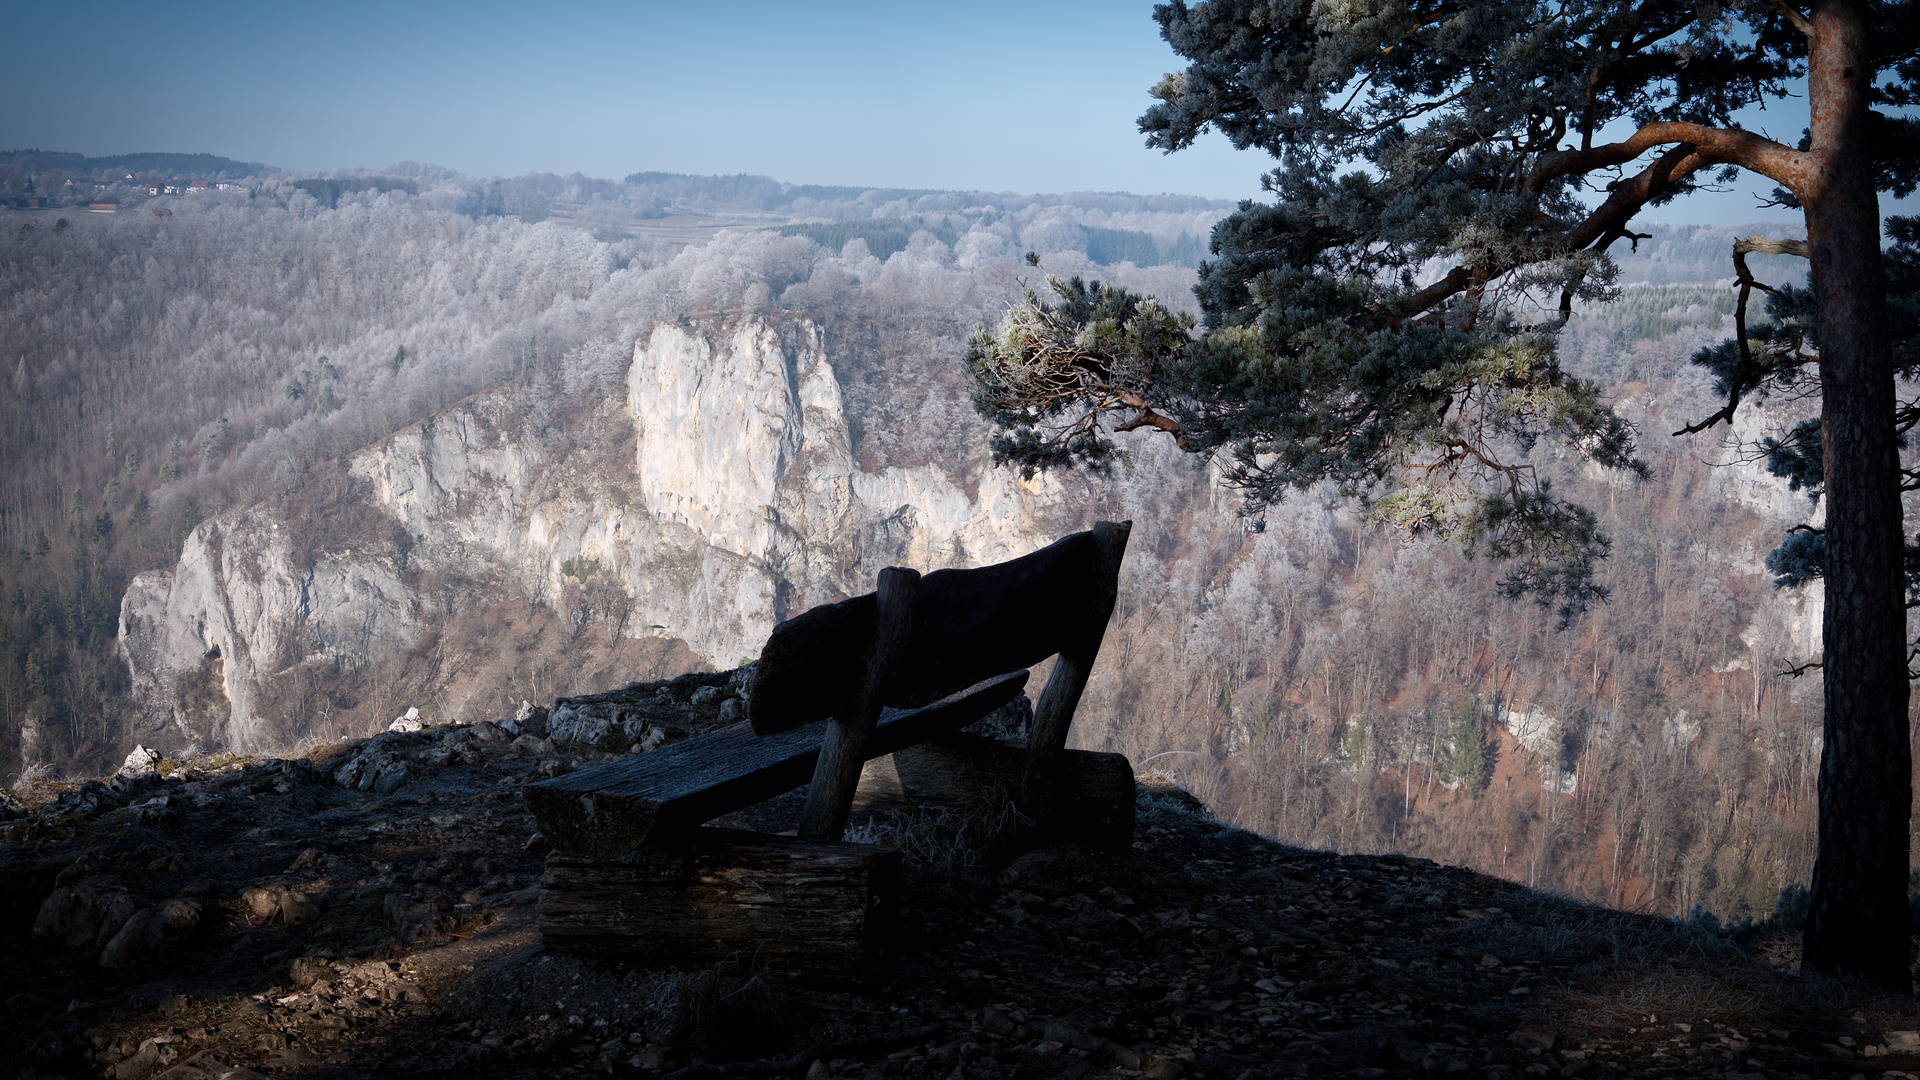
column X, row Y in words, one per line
column 1858, row 920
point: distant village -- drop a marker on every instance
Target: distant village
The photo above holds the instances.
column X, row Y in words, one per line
column 108, row 195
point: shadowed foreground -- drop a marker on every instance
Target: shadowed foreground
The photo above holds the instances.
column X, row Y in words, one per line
column 348, row 933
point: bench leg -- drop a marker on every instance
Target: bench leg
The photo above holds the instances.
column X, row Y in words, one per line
column 1040, row 789
column 837, row 773
column 1053, row 716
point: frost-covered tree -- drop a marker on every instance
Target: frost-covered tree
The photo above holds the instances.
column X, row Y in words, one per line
column 1450, row 179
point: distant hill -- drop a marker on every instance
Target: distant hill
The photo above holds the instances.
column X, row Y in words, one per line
column 161, row 163
column 769, row 194
column 763, row 191
column 883, row 237
column 1107, row 247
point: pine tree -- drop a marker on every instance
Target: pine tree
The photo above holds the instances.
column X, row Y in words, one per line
column 215, row 440
column 1462, row 746
column 184, row 523
column 1331, row 351
column 36, row 675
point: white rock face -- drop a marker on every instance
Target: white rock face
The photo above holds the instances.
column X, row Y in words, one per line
column 738, row 506
column 718, row 423
column 1539, row 734
column 1747, row 480
column 201, row 639
column 1789, row 628
column 1533, row 729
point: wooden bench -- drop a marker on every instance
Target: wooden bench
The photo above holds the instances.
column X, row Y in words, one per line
column 898, row 672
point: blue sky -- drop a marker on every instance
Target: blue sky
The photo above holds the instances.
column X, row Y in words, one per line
column 999, row 96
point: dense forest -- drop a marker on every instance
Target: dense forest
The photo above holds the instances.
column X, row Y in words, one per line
column 16, row 165
column 168, row 367
column 1320, row 680
column 1329, row 684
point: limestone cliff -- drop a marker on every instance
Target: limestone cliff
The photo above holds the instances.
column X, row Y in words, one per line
column 720, row 497
column 198, row 639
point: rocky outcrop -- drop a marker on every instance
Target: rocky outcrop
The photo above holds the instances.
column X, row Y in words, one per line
column 242, row 604
column 84, row 917
column 720, row 497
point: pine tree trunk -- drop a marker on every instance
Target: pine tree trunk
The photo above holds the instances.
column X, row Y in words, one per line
column 1858, row 923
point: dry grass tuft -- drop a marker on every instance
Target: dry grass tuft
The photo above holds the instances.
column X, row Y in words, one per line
column 944, row 844
column 1634, row 995
column 35, row 783
column 1160, row 799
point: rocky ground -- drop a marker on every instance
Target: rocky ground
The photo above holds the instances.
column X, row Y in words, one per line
column 368, row 909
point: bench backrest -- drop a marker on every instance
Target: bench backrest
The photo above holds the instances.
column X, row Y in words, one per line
column 968, row 625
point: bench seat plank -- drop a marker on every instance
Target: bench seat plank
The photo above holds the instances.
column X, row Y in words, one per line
column 608, row 810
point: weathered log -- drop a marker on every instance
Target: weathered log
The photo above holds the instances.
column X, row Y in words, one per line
column 608, row 810
column 837, row 771
column 968, row 626
column 979, row 779
column 827, row 908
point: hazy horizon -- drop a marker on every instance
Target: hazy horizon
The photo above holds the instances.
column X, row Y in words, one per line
column 986, row 97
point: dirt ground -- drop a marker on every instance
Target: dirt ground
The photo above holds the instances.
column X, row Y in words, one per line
column 268, row 921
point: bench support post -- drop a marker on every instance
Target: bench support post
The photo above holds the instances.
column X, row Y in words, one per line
column 1054, row 714
column 838, row 772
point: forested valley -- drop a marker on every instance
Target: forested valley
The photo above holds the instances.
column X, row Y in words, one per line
column 1319, row 680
